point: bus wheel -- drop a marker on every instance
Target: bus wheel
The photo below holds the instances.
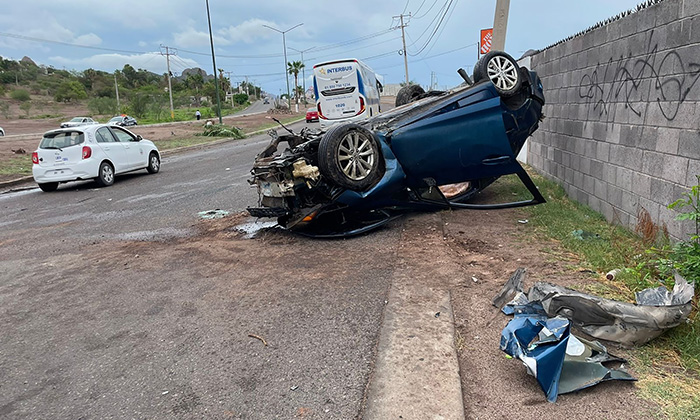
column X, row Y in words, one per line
column 408, row 94
column 350, row 156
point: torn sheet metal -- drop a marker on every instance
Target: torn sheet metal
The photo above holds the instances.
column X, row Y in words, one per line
column 629, row 324
column 560, row 361
column 657, row 309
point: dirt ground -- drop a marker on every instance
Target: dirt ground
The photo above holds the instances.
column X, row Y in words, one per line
column 478, row 250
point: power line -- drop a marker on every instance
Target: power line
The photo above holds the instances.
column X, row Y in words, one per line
column 430, row 38
column 70, row 44
column 428, row 11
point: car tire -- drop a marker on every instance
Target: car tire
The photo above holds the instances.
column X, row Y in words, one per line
column 153, row 163
column 350, row 156
column 502, row 70
column 48, row 186
column 408, row 94
column 105, row 175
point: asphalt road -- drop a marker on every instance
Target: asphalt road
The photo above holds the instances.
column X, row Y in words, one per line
column 121, row 302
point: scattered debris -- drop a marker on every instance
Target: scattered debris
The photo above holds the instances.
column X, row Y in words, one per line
column 523, row 221
column 213, row 214
column 583, row 235
column 19, row 151
column 164, row 393
column 437, row 315
column 259, row 338
column 253, row 228
column 294, row 387
column 540, row 332
column 560, row 361
column 628, row 324
column 612, row 274
column 475, row 280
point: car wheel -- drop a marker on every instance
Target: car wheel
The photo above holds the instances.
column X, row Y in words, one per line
column 153, row 163
column 502, row 70
column 349, row 155
column 48, row 186
column 105, row 176
column 408, row 94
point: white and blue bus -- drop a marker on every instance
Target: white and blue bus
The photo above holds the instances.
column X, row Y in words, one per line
column 345, row 90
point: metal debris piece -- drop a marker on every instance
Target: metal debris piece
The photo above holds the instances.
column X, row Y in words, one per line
column 629, row 324
column 560, row 361
column 213, row 214
column 509, row 290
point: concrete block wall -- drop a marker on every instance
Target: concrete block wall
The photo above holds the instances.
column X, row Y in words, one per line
column 623, row 114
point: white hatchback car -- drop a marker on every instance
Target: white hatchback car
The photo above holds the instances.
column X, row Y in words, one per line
column 91, row 152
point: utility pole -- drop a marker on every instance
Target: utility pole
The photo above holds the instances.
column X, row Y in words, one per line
column 213, row 59
column 230, row 85
column 500, row 25
column 116, row 88
column 167, row 55
column 403, row 39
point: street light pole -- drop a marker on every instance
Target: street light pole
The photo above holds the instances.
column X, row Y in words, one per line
column 216, row 79
column 303, row 69
column 284, row 45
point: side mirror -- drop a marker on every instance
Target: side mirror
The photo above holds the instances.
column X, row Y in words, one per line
column 138, row 137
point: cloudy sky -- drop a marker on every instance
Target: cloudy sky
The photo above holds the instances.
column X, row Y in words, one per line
column 440, row 34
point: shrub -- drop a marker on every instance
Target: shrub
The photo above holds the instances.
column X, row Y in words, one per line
column 20, row 95
column 26, row 106
column 102, row 106
column 221, row 130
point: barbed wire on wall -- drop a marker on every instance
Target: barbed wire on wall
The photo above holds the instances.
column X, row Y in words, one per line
column 641, row 6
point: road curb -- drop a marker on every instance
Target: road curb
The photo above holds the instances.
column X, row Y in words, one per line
column 169, row 152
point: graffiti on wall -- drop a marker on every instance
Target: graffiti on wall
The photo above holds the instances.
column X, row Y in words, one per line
column 660, row 78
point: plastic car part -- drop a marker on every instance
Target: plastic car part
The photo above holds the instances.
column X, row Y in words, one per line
column 349, row 155
column 48, row 186
column 408, row 94
column 502, row 70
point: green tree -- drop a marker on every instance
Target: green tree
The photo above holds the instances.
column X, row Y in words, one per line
column 139, row 104
column 102, row 106
column 70, row 91
column 294, row 68
column 240, row 98
column 20, row 95
column 26, row 106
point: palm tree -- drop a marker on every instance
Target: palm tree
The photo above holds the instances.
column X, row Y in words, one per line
column 294, row 68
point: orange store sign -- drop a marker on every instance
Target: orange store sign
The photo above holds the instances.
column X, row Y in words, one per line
column 485, row 40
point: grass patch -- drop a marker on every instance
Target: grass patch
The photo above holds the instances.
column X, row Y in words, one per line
column 18, row 165
column 669, row 366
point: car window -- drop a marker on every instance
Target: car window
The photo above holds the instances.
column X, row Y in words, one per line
column 122, row 135
column 61, row 140
column 104, row 136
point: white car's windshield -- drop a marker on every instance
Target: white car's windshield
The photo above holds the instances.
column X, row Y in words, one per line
column 77, row 119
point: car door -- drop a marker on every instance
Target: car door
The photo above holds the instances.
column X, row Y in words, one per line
column 114, row 149
column 459, row 139
column 133, row 148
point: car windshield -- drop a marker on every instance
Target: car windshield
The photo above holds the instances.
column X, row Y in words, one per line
column 116, row 119
column 77, row 119
column 61, row 140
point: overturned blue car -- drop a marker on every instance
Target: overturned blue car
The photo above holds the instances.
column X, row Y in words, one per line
column 435, row 150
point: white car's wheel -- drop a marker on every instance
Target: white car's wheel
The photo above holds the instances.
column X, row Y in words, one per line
column 105, row 176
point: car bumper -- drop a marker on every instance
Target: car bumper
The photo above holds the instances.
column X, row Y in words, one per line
column 79, row 171
column 327, row 123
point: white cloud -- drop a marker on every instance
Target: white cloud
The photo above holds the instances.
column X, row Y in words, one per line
column 190, row 38
column 88, row 39
column 142, row 44
column 153, row 62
